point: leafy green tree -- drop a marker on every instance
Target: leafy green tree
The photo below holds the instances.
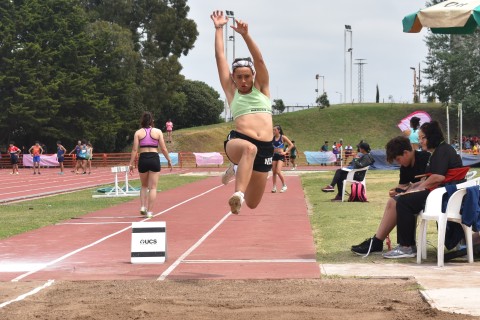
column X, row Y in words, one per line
column 87, row 68
column 323, row 101
column 202, row 105
column 161, row 33
column 452, row 66
column 50, row 88
column 278, row 105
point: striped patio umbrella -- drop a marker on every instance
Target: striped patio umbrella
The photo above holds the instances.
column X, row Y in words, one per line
column 448, row 17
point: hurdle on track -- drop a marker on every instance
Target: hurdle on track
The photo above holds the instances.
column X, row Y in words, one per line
column 126, row 191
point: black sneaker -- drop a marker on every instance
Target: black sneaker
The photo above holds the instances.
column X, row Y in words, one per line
column 368, row 246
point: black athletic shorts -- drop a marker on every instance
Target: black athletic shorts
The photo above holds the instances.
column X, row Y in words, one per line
column 263, row 160
column 149, row 161
column 278, row 157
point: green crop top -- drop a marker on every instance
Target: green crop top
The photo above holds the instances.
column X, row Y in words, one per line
column 254, row 102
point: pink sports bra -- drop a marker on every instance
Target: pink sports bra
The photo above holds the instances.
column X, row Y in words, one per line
column 148, row 141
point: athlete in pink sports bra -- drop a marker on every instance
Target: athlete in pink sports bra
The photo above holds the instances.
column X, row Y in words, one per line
column 146, row 142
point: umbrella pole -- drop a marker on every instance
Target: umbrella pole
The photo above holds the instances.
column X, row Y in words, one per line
column 460, row 117
column 448, row 127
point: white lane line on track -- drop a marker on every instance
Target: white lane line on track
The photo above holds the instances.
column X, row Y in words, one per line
column 108, row 236
column 95, row 223
column 252, row 261
column 78, row 184
column 165, row 274
column 23, row 296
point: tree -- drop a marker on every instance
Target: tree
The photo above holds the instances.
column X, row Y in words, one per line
column 377, row 96
column 49, row 87
column 278, row 105
column 453, row 66
column 87, row 69
column 160, row 33
column 199, row 104
column 323, row 101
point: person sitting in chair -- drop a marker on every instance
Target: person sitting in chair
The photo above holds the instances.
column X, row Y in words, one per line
column 363, row 161
column 412, row 165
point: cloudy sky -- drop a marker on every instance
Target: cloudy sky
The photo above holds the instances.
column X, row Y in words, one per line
column 302, row 38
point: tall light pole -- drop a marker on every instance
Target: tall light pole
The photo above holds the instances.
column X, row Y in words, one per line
column 360, row 63
column 323, row 83
column 229, row 14
column 419, row 80
column 351, row 71
column 348, row 29
column 415, row 97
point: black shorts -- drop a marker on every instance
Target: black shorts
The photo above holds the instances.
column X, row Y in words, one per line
column 278, row 157
column 263, row 159
column 149, row 161
column 61, row 159
column 13, row 159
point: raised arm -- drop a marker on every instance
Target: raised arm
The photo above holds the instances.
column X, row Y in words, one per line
column 219, row 20
column 261, row 78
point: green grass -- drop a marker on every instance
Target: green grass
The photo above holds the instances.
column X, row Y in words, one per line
column 30, row 215
column 376, row 123
column 337, row 226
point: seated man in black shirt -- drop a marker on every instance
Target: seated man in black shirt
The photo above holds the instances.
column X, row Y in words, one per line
column 444, row 166
column 412, row 163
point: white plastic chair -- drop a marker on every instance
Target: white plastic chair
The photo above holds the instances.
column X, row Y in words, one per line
column 470, row 175
column 349, row 179
column 433, row 211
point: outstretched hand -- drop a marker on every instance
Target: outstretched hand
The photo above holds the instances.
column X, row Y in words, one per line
column 219, row 20
column 241, row 27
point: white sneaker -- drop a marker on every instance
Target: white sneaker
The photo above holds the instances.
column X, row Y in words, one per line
column 228, row 174
column 149, row 214
column 143, row 211
column 284, row 188
column 274, row 189
column 235, row 202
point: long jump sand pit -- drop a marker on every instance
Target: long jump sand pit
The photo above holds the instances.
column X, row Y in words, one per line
column 332, row 298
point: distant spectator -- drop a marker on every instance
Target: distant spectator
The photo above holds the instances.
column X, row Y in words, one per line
column 169, row 129
column 336, row 151
column 60, row 155
column 412, row 133
column 35, row 151
column 348, row 150
column 89, row 156
column 363, row 161
column 293, row 155
column 324, row 148
column 14, row 152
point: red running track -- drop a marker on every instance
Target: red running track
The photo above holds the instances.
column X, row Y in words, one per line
column 204, row 240
column 26, row 185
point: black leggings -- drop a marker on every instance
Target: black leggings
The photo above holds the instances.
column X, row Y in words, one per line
column 409, row 206
column 338, row 178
